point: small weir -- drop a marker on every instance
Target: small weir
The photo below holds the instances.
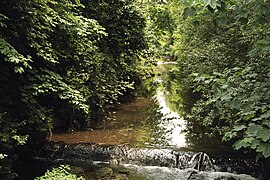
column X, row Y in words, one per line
column 180, row 164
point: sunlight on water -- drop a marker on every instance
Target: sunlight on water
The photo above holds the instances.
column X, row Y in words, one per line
column 172, row 122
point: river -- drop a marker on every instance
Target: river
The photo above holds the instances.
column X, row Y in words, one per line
column 144, row 122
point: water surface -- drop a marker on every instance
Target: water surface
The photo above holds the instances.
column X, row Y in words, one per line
column 142, row 122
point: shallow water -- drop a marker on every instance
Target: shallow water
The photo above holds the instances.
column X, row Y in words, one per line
column 146, row 122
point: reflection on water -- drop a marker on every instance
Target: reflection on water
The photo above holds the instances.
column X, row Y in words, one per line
column 172, row 122
column 144, row 122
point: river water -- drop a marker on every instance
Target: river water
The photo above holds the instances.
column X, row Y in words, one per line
column 143, row 122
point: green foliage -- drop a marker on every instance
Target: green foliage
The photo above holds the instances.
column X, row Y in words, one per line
column 12, row 56
column 235, row 94
column 62, row 63
column 160, row 24
column 123, row 23
column 73, row 59
column 59, row 173
column 237, row 99
column 188, row 11
column 214, row 4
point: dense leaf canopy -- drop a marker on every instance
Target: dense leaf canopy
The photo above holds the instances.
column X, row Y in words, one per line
column 62, row 63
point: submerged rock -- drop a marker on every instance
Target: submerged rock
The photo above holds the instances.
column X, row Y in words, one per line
column 123, row 171
column 120, row 177
column 76, row 170
column 104, row 172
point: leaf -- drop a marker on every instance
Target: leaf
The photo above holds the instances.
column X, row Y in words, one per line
column 198, row 89
column 267, row 123
column 265, row 115
column 2, row 156
column 206, row 76
column 234, row 104
column 264, row 134
column 253, row 130
column 228, row 136
column 18, row 69
column 243, row 143
column 249, row 116
column 239, row 127
column 259, row 156
column 212, row 3
column 77, row 2
column 254, row 144
column 226, row 97
column 188, row 11
column 264, row 148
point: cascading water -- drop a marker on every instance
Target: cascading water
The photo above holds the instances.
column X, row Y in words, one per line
column 151, row 163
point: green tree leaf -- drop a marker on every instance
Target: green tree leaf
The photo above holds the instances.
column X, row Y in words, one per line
column 264, row 148
column 212, row 3
column 188, row 11
column 239, row 127
column 264, row 134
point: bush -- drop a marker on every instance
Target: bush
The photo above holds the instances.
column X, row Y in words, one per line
column 59, row 173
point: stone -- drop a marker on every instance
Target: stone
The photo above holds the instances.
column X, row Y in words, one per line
column 123, row 171
column 76, row 170
column 88, row 153
column 104, row 172
column 120, row 177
